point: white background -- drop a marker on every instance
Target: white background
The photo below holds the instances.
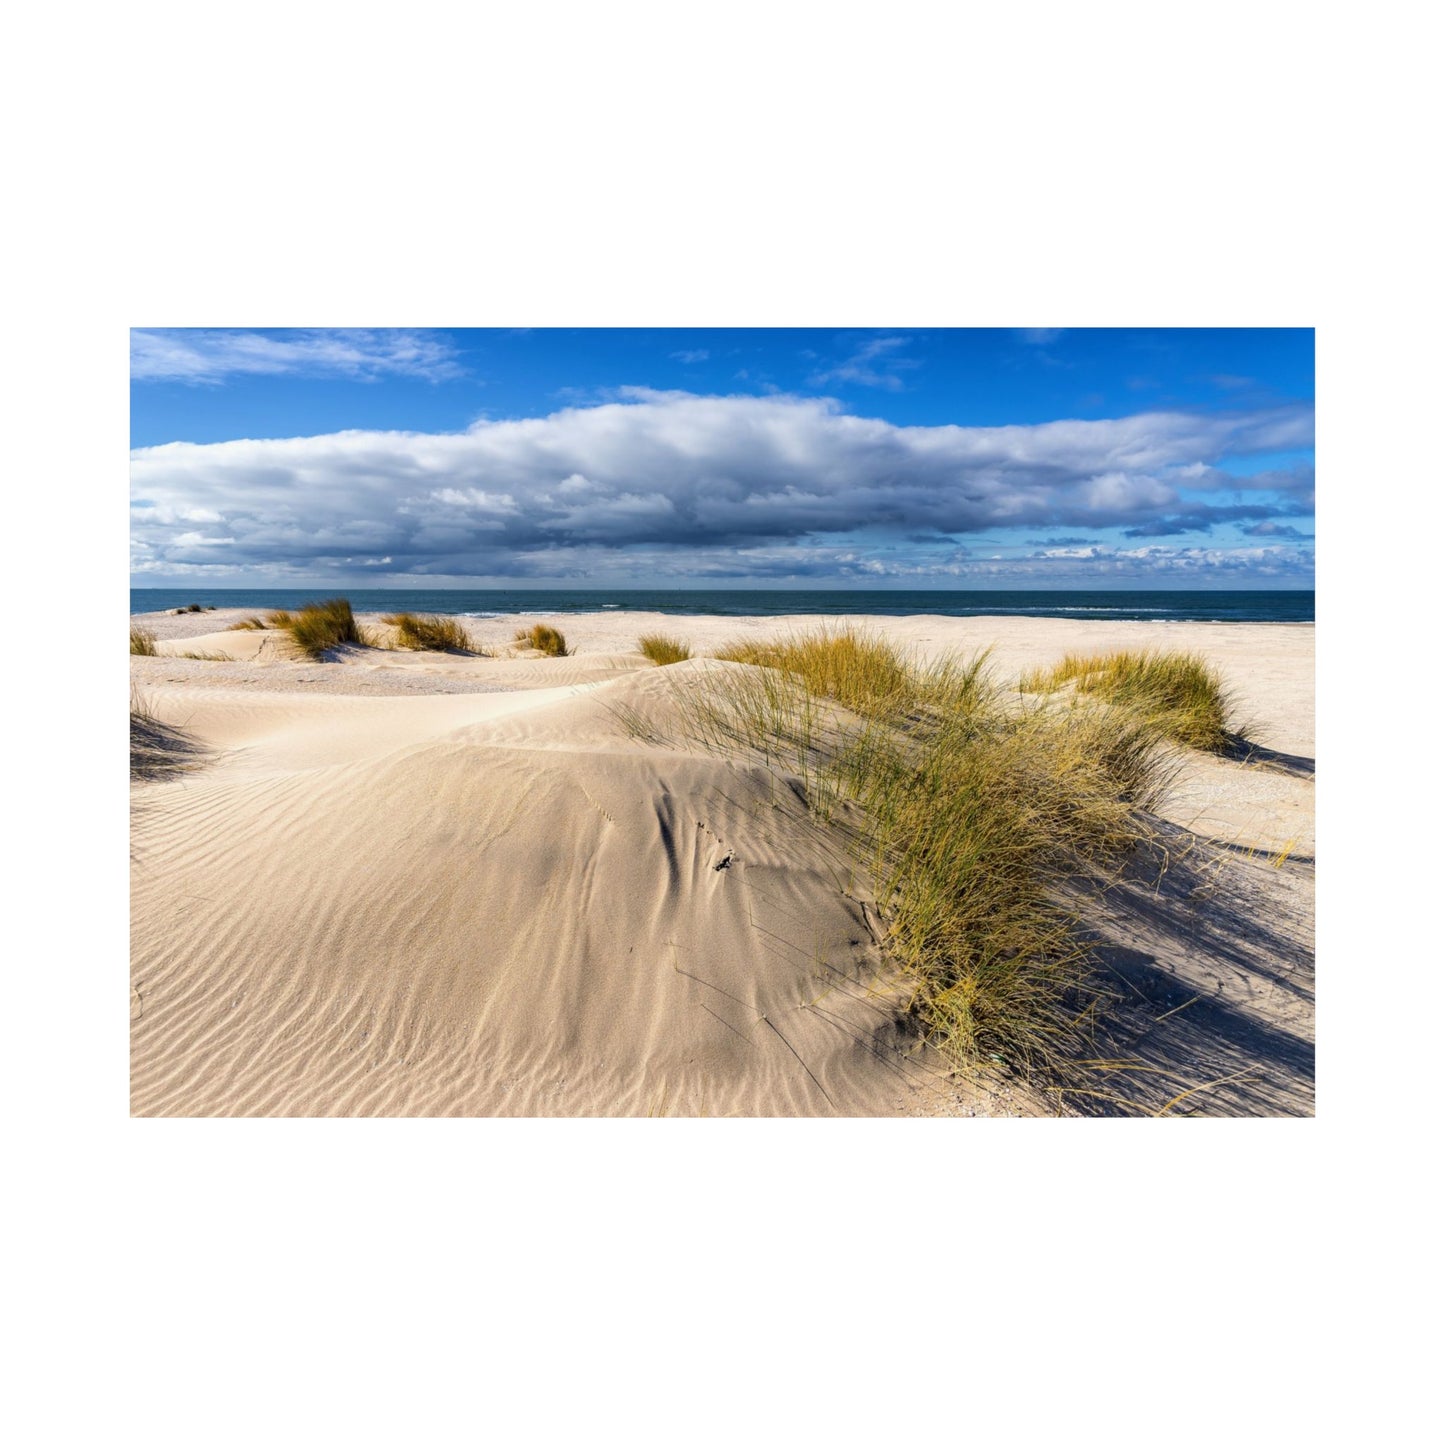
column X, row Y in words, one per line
column 755, row 164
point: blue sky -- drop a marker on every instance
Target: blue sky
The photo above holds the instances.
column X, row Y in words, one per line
column 775, row 457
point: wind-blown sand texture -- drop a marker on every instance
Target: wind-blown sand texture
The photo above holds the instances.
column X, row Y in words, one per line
column 409, row 883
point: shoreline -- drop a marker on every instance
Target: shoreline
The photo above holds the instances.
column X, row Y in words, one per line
column 1281, row 604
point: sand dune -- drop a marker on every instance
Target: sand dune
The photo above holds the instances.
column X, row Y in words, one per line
column 247, row 646
column 493, row 905
column 501, row 901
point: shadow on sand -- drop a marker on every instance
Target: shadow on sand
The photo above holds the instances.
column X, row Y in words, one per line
column 1207, row 964
column 1271, row 761
column 159, row 751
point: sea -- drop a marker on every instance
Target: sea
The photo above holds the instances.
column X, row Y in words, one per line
column 1170, row 606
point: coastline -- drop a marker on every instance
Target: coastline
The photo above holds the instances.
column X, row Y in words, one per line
column 1179, row 604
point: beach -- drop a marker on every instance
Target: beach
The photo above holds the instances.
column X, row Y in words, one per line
column 420, row 883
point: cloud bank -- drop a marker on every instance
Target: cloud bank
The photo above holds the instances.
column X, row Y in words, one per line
column 675, row 485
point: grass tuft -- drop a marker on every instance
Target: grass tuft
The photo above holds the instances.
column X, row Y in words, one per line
column 430, row 634
column 544, row 639
column 142, row 642
column 1181, row 693
column 978, row 818
column 662, row 649
column 319, row 625
column 248, row 624
column 852, row 667
column 157, row 750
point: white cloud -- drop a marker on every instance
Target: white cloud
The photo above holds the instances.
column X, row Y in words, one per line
column 1135, row 563
column 875, row 363
column 208, row 357
column 689, row 357
column 1122, row 492
column 658, row 479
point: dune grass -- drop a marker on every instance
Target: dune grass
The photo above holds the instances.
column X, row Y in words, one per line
column 1181, row 693
column 142, row 642
column 663, row 649
column 319, row 625
column 544, row 639
column 248, row 624
column 157, row 750
column 977, row 818
column 430, row 633
column 850, row 666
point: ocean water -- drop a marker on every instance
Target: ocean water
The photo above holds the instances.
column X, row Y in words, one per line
column 1120, row 606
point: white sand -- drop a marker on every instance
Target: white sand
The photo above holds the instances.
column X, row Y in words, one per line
column 403, row 883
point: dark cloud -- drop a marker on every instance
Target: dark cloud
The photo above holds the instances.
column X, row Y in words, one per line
column 1202, row 517
column 1275, row 529
column 1297, row 480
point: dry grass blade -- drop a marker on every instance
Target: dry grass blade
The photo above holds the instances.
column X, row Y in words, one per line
column 142, row 642
column 853, row 667
column 663, row 649
column 430, row 633
column 546, row 640
column 157, row 750
column 1178, row 691
column 318, row 626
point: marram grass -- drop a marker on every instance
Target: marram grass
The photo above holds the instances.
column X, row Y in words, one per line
column 663, row 649
column 850, row 666
column 430, row 633
column 142, row 642
column 1179, row 692
column 975, row 815
column 544, row 639
column 157, row 750
column 319, row 625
